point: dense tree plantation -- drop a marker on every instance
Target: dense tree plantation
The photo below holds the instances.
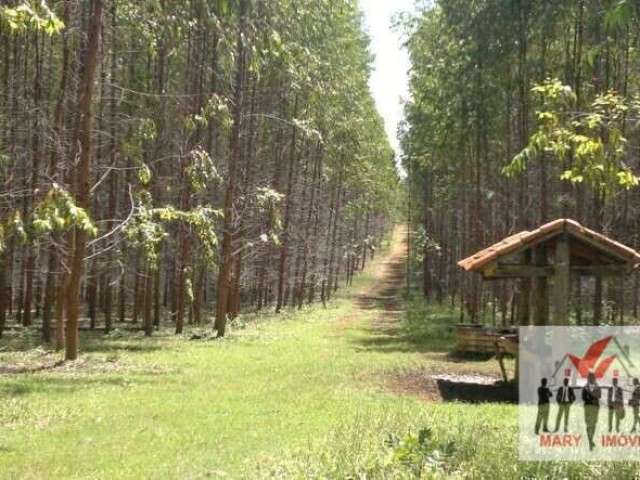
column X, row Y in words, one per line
column 522, row 112
column 179, row 162
column 216, row 262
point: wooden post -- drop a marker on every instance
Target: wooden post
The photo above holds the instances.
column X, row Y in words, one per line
column 541, row 303
column 500, row 356
column 561, row 282
column 621, row 301
column 524, row 305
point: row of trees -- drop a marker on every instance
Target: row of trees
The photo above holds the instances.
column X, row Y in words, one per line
column 183, row 157
column 522, row 111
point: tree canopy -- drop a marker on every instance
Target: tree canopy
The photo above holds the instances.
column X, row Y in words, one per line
column 212, row 137
column 521, row 112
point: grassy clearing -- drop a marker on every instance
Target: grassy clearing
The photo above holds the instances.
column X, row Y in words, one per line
column 476, row 441
column 170, row 407
column 303, row 395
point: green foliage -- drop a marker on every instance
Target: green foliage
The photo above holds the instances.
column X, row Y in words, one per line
column 423, row 243
column 620, row 15
column 16, row 227
column 147, row 129
column 147, row 229
column 31, row 15
column 13, row 226
column 307, row 72
column 268, row 197
column 269, row 201
column 419, row 452
column 144, row 175
column 203, row 220
column 56, row 212
column 200, row 170
column 309, row 132
column 144, row 232
column 215, row 109
column 593, row 140
column 143, row 132
column 188, row 289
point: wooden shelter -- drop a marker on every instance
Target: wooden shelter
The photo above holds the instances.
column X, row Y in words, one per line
column 547, row 257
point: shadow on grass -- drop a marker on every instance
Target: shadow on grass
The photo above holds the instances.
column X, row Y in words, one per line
column 141, row 345
column 29, row 385
column 455, row 391
column 401, row 342
column 463, row 357
column 420, row 328
column 92, row 341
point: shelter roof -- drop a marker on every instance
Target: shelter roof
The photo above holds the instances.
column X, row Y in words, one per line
column 596, row 245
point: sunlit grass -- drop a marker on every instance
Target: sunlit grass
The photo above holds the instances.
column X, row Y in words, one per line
column 301, row 395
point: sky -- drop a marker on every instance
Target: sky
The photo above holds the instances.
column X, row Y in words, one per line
column 390, row 80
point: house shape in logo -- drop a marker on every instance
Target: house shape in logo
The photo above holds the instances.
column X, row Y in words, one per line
column 606, row 358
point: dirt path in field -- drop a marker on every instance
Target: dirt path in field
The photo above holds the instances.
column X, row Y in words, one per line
column 390, row 280
column 444, row 376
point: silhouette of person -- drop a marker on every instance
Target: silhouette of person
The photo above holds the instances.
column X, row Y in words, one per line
column 591, row 398
column 565, row 397
column 635, row 404
column 615, row 402
column 544, row 394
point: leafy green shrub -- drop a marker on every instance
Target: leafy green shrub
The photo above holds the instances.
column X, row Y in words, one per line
column 358, row 451
column 419, row 452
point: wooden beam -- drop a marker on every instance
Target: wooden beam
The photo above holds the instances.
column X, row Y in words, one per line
column 536, row 271
column 561, row 282
column 518, row 271
column 602, row 270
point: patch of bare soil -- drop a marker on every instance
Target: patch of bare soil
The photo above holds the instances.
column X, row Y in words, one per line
column 471, row 388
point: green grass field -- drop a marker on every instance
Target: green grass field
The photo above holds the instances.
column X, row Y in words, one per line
column 309, row 394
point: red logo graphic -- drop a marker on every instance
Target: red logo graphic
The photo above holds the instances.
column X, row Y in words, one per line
column 588, row 363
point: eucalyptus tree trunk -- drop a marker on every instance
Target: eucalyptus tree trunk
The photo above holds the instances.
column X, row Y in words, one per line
column 112, row 201
column 311, row 208
column 53, row 278
column 226, row 252
column 284, row 248
column 30, row 250
column 83, row 140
